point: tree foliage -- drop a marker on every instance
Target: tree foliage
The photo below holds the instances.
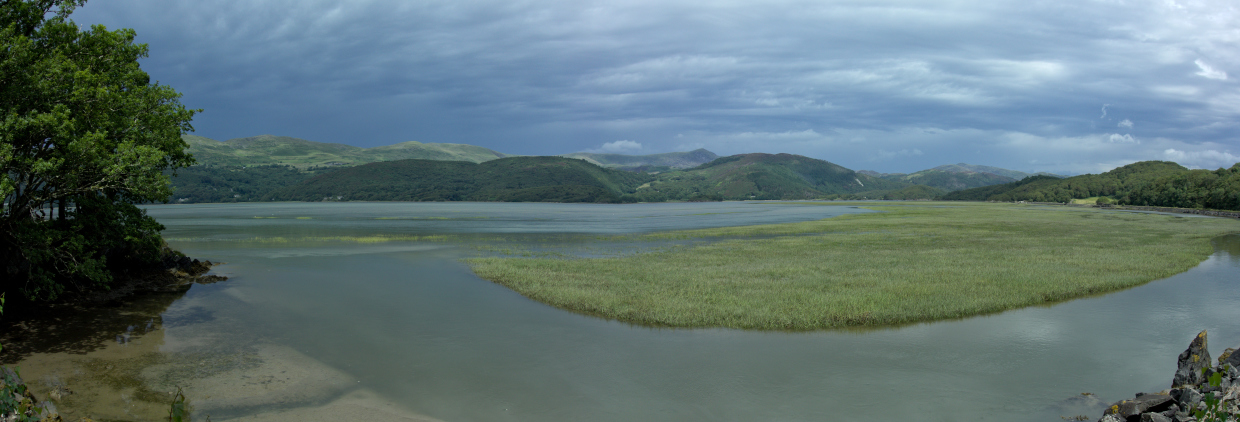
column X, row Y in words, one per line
column 84, row 134
column 1149, row 183
column 513, row 179
column 201, row 183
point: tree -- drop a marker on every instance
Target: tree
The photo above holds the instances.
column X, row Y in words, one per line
column 84, row 136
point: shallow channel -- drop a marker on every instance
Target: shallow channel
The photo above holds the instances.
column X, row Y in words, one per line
column 366, row 304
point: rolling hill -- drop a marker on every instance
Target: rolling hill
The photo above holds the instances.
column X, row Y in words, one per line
column 514, row 179
column 300, row 153
column 648, row 163
column 562, row 179
column 764, row 176
column 264, row 168
column 954, row 177
column 973, row 168
column 1152, row 183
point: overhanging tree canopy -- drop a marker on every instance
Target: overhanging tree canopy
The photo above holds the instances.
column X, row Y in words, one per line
column 84, row 134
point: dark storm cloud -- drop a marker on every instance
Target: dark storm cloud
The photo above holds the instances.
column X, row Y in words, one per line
column 892, row 86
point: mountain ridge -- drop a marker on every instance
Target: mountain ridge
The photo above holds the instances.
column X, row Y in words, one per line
column 650, row 162
column 253, row 168
column 301, row 153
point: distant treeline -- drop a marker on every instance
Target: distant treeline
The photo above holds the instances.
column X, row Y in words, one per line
column 540, row 179
column 514, row 179
column 235, row 183
column 737, row 177
column 1147, row 183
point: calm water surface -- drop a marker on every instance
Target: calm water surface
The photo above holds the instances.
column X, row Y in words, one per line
column 409, row 321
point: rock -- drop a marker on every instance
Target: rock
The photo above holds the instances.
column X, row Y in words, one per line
column 1154, row 417
column 208, row 279
column 1146, row 403
column 1081, row 404
column 1112, row 418
column 1187, row 397
column 1231, row 359
column 1226, row 354
column 1191, row 362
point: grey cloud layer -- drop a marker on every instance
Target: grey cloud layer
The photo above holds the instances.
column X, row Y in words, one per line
column 894, row 86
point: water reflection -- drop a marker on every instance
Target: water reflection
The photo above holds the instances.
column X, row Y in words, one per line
column 88, row 359
column 81, row 329
column 1228, row 246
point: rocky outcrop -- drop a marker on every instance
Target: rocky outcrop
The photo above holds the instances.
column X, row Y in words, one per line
column 188, row 270
column 1198, row 389
column 1191, row 363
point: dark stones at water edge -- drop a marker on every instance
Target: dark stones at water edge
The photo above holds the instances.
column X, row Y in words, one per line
column 1189, row 392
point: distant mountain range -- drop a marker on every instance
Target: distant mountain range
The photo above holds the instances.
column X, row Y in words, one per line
column 648, row 163
column 564, row 179
column 267, row 168
column 300, row 153
column 954, row 177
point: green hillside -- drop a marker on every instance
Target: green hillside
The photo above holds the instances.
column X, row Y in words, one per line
column 950, row 180
column 300, row 153
column 1149, row 183
column 517, row 179
column 954, row 177
column 311, row 171
column 974, row 168
column 650, row 163
column 236, row 184
column 765, row 176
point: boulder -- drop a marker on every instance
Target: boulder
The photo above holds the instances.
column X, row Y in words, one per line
column 1232, row 359
column 1154, row 417
column 1187, row 397
column 1226, row 354
column 1146, row 403
column 1191, row 362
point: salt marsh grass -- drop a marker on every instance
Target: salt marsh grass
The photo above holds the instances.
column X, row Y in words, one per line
column 905, row 264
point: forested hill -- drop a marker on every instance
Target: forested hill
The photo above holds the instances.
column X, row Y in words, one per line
column 650, row 163
column 518, row 179
column 767, row 176
column 954, row 177
column 947, row 180
column 974, row 168
column 300, row 153
column 1147, row 183
column 561, row 179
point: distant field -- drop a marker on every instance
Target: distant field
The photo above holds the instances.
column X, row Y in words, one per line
column 907, row 264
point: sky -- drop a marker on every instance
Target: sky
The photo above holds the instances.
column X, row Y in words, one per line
column 1069, row 87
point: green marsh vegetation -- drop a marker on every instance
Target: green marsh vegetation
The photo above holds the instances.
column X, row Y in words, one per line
column 905, row 264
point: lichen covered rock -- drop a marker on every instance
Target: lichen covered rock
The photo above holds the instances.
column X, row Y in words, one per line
column 1192, row 362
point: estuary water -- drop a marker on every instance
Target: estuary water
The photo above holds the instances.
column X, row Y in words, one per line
column 365, row 309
